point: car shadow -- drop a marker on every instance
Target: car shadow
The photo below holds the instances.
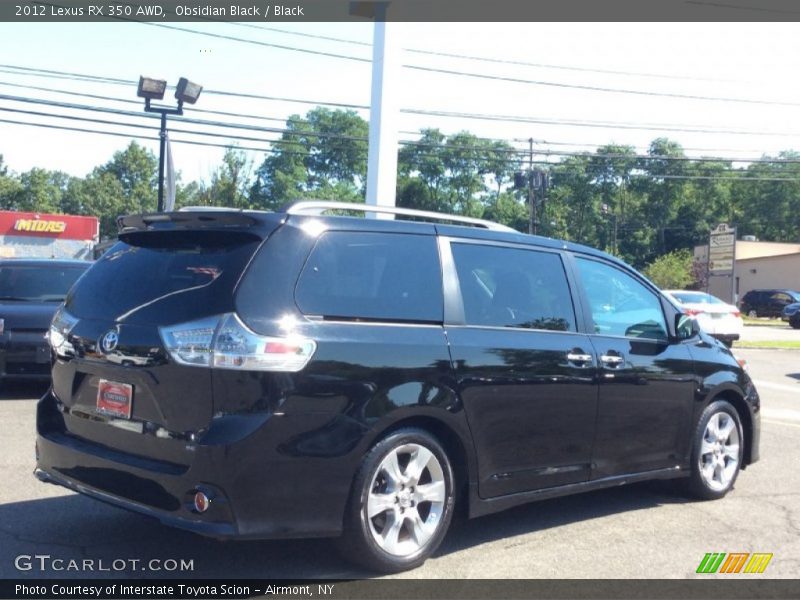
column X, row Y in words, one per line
column 23, row 390
column 74, row 527
column 557, row 512
column 794, row 375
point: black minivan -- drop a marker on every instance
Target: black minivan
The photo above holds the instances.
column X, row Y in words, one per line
column 247, row 374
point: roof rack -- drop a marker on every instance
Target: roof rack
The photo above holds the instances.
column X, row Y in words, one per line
column 317, row 207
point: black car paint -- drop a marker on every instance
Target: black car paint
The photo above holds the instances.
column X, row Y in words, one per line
column 517, row 419
column 24, row 352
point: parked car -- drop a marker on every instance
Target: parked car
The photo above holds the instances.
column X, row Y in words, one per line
column 768, row 302
column 789, row 310
column 30, row 292
column 717, row 318
column 294, row 374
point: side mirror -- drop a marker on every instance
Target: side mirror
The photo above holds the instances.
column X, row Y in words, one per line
column 686, row 327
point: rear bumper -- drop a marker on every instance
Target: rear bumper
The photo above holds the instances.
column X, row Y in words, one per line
column 255, row 492
column 726, row 337
column 216, row 530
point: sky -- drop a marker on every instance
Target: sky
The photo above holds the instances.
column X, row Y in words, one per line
column 745, row 75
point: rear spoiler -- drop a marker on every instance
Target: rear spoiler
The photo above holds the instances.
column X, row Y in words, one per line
column 200, row 219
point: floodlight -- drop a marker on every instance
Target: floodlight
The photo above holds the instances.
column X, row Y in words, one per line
column 186, row 91
column 151, row 89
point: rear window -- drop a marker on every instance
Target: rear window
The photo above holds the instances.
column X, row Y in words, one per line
column 697, row 298
column 38, row 283
column 164, row 277
column 372, row 276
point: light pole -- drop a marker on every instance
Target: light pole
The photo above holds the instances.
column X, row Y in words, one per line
column 153, row 89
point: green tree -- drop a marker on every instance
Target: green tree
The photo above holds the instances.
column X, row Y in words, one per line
column 663, row 187
column 769, row 208
column 671, row 271
column 323, row 155
column 230, row 183
column 136, row 169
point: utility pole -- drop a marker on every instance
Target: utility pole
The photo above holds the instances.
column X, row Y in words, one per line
column 531, row 194
column 384, row 111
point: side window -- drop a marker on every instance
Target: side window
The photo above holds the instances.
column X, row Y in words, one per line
column 781, row 297
column 621, row 305
column 376, row 276
column 510, row 287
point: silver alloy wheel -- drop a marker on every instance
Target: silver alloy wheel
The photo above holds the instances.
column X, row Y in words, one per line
column 406, row 500
column 719, row 451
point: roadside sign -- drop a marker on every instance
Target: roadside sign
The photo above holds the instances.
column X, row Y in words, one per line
column 722, row 249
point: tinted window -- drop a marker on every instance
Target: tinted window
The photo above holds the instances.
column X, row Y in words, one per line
column 164, row 277
column 40, row 283
column 372, row 276
column 696, row 298
column 621, row 305
column 510, row 287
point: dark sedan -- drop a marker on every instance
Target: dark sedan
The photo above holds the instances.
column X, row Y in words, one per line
column 30, row 292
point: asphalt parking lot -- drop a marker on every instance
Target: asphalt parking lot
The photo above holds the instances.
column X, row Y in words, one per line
column 641, row 531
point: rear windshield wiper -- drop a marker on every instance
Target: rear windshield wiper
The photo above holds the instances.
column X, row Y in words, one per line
column 14, row 298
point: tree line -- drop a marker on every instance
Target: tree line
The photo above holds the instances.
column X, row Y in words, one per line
column 638, row 207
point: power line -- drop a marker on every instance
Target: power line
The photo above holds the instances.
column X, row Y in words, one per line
column 257, row 42
column 742, row 179
column 141, row 137
column 128, row 113
column 138, row 103
column 590, row 88
column 667, row 127
column 594, row 124
column 283, row 120
column 487, row 59
column 131, row 82
column 302, row 133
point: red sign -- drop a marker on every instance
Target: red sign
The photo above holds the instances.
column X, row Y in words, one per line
column 114, row 399
column 69, row 227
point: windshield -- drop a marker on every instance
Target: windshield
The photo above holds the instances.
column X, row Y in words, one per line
column 38, row 283
column 696, row 298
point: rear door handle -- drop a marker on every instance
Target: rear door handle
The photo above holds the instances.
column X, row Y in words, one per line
column 611, row 359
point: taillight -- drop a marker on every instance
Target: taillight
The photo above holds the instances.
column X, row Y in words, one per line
column 58, row 334
column 225, row 342
column 692, row 312
column 736, row 314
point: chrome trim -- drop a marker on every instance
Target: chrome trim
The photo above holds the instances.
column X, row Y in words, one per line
column 317, row 207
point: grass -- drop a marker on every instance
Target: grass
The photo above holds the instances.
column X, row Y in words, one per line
column 765, row 322
column 777, row 344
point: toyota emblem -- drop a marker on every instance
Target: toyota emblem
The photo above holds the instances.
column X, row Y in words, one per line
column 108, row 343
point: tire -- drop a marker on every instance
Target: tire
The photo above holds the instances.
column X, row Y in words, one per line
column 752, row 313
column 388, row 485
column 795, row 323
column 717, row 437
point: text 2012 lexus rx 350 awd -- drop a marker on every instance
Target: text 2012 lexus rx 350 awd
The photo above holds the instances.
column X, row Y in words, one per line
column 245, row 374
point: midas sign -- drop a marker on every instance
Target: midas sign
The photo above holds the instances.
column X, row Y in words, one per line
column 40, row 226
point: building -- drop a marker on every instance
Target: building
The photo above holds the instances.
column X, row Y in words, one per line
column 756, row 265
column 28, row 234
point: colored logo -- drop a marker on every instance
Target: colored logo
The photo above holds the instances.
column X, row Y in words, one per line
column 40, row 225
column 734, row 562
